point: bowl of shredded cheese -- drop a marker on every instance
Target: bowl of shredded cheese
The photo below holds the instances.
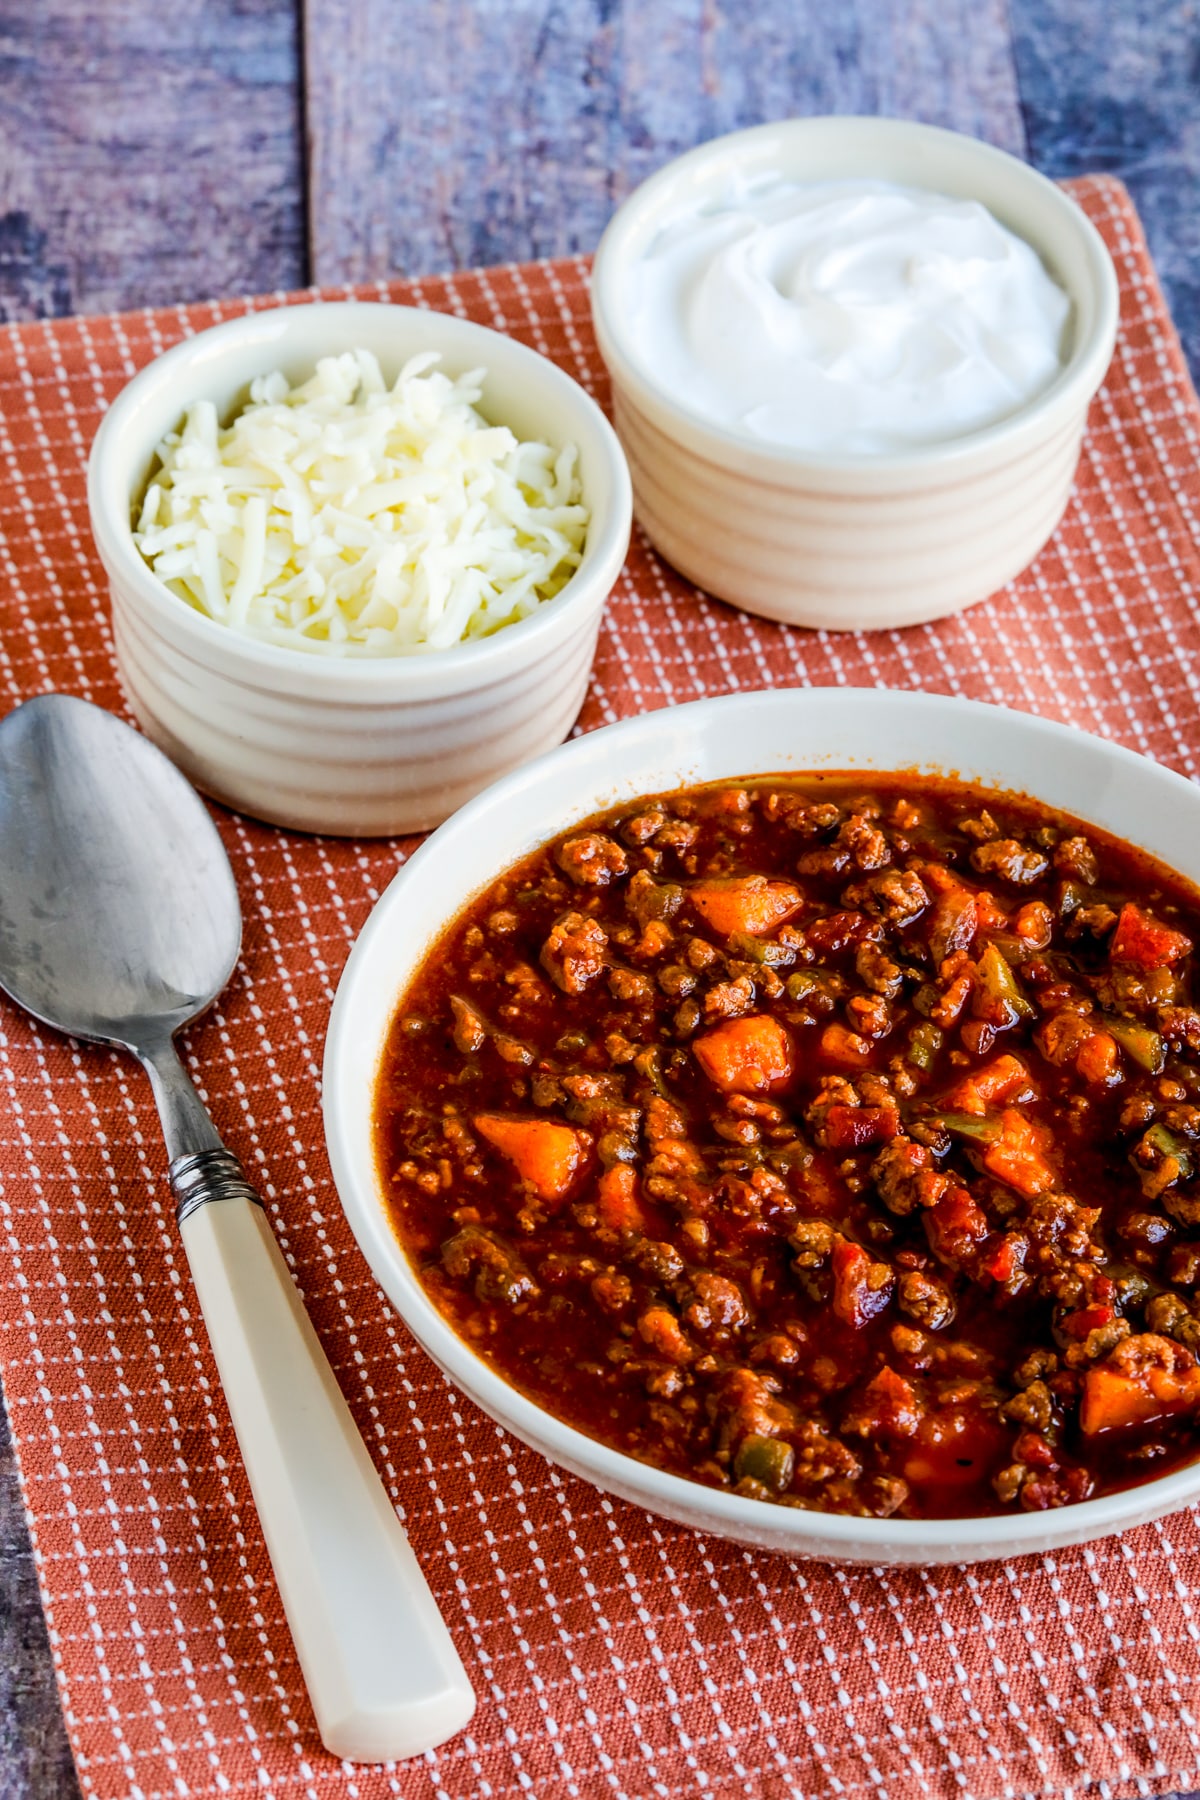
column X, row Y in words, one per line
column 358, row 555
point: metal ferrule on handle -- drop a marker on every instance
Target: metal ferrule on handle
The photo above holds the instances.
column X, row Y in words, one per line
column 207, row 1175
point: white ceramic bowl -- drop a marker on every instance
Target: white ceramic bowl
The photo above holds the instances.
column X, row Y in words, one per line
column 855, row 542
column 714, row 739
column 359, row 747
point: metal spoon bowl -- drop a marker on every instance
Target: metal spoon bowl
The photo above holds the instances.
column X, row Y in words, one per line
column 119, row 923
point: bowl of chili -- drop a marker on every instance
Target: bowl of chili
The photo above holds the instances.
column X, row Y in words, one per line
column 792, row 1130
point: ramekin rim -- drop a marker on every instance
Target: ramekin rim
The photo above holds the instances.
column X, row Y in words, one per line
column 1071, row 389
column 603, row 556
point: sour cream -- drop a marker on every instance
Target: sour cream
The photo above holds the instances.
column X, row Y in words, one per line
column 847, row 317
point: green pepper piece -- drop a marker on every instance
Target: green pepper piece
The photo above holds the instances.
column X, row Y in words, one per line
column 977, row 1127
column 1166, row 1141
column 801, row 983
column 1012, row 948
column 767, row 1460
column 648, row 1066
column 1140, row 1042
column 999, row 985
column 761, row 950
column 923, row 1046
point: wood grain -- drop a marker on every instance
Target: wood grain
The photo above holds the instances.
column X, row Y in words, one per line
column 35, row 1758
column 1119, row 89
column 148, row 154
column 447, row 135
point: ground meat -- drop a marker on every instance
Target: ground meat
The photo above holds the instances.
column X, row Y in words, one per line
column 592, row 860
column 470, row 1032
column 1033, row 1407
column 1075, row 858
column 1010, row 860
column 497, row 1271
column 575, row 952
column 809, row 817
column 925, row 1298
column 906, row 1177
column 897, row 896
column 648, row 899
column 877, row 970
column 718, row 1302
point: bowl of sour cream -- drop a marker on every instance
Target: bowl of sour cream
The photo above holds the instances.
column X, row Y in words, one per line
column 852, row 361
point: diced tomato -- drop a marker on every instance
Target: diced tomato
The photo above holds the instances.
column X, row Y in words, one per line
column 545, row 1154
column 954, row 1449
column 1003, row 1078
column 839, row 931
column 844, row 1048
column 861, row 1288
column 747, row 1055
column 1001, row 1263
column 850, row 1127
column 751, row 904
column 955, row 1226
column 1088, row 1318
column 887, row 1407
column 1142, row 939
column 1017, row 1155
column 1031, row 1448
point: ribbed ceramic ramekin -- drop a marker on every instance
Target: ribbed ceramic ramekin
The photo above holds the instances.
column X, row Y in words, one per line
column 867, row 541
column 363, row 747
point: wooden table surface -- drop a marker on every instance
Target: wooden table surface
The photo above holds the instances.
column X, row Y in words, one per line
column 152, row 154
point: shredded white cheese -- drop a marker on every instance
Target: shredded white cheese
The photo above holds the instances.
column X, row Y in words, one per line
column 350, row 519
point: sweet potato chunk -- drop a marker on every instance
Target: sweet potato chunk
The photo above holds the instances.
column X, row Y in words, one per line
column 617, row 1200
column 1142, row 939
column 843, row 1048
column 1003, row 1078
column 1016, row 1155
column 747, row 1055
column 545, row 1154
column 1146, row 1377
column 747, row 903
column 1099, row 1060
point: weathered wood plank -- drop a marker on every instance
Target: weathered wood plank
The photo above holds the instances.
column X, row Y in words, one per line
column 448, row 134
column 35, row 1758
column 1117, row 90
column 148, row 155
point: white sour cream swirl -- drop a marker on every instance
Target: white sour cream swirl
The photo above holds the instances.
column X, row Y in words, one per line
column 847, row 317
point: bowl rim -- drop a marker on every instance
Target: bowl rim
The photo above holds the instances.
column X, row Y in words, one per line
column 877, row 1541
column 475, row 661
column 1070, row 390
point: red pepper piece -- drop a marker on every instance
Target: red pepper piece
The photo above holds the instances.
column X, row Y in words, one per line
column 1142, row 939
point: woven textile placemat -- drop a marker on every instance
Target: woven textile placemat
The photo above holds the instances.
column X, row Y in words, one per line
column 613, row 1654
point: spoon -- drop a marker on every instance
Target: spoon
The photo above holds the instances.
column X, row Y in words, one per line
column 119, row 922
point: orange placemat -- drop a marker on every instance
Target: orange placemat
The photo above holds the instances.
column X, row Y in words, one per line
column 613, row 1654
